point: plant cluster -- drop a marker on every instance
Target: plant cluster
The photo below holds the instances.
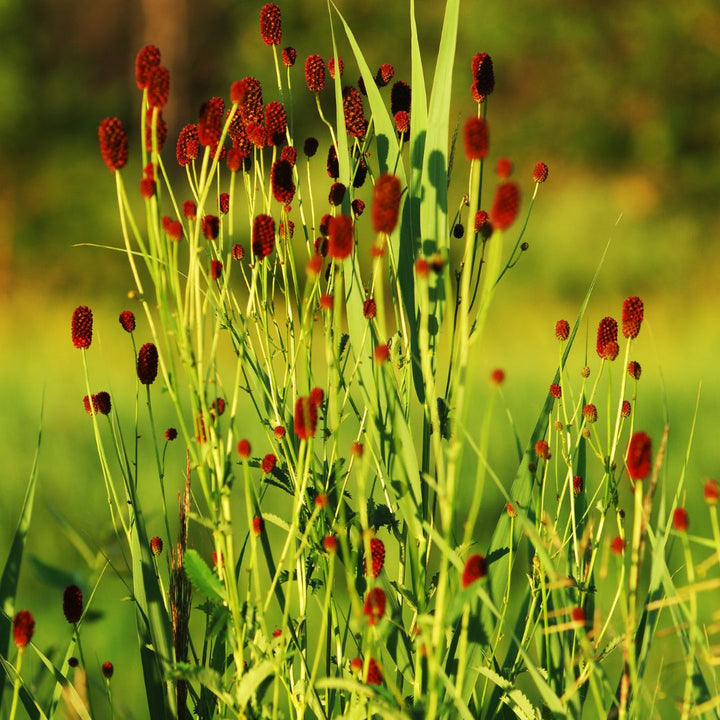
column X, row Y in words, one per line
column 316, row 340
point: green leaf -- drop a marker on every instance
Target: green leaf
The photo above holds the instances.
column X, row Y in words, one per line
column 203, row 579
column 11, row 569
column 31, row 706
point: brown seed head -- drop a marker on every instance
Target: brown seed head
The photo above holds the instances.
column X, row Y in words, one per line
column 210, row 226
column 332, row 165
column 310, row 146
column 336, row 194
column 113, row 143
column 102, row 403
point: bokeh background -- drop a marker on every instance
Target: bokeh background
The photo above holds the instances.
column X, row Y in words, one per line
column 619, row 99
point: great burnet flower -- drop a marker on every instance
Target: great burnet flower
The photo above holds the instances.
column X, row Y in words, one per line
column 475, row 569
column 281, row 181
column 127, row 320
column 147, row 364
column 540, row 172
column 475, row 134
column 23, row 628
column 505, row 205
column 270, row 24
column 386, row 203
column 247, row 94
column 275, row 123
column 639, row 456
column 374, row 606
column 606, row 344
column 210, row 122
column 306, row 417
column 315, row 73
column 158, row 87
column 72, row 603
column 340, row 237
column 377, row 557
column 147, row 59
column 632, row 316
column 263, row 236
column 483, row 76
column 355, row 122
column 82, row 327
column 113, row 143
column 400, row 98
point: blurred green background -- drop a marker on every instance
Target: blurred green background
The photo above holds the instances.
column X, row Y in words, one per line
column 619, row 99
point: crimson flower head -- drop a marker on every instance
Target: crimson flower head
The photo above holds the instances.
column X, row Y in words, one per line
column 374, row 607
column 639, row 456
column 315, row 73
column 258, row 525
column 386, row 203
column 540, row 172
column 475, row 569
column 681, row 521
column 556, row 391
column 483, row 76
column 542, row 450
column 562, row 330
column 263, row 236
column 505, row 205
column 340, row 237
column 107, row 670
column 147, row 364
column 158, row 89
column 626, row 408
column 270, row 24
column 127, row 320
column 275, row 123
column 82, row 327
column 377, row 557
column 578, row 485
column 210, row 226
column 336, row 194
column 400, row 98
column 188, row 145
column 72, row 603
column 113, row 143
column 331, row 66
column 244, row 449
column 289, row 55
column 211, row 121
column 384, row 75
column 617, row 546
column 355, row 121
column 590, row 413
column 475, row 133
column 632, row 316
column 268, row 463
column 711, row 492
column 281, row 181
column 606, row 344
column 306, row 417
column 634, row 369
column 156, row 546
column 148, row 58
column 102, row 402
column 247, row 95
column 170, row 434
column 504, row 168
column 23, row 628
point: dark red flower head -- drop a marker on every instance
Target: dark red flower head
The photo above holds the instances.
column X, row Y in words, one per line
column 681, row 521
column 258, row 525
column 400, row 98
column 476, row 138
column 386, row 203
column 148, row 58
column 540, row 172
column 337, row 193
column 72, row 603
column 289, row 153
column 107, row 670
column 268, row 463
column 263, row 236
column 147, row 364
column 82, row 326
column 102, row 402
column 156, row 546
column 578, row 485
column 606, row 343
column 331, row 66
column 482, row 219
column 306, row 416
column 625, row 408
column 340, row 237
column 639, row 456
column 374, row 606
column 244, row 449
column 281, row 182
column 475, row 569
column 358, row 207
column 310, row 146
column 158, row 88
column 355, row 122
column 113, row 143
column 275, row 123
column 590, row 413
column 332, row 166
column 188, row 145
column 402, row 122
column 210, row 122
column 270, row 24
column 505, row 205
column 483, row 76
column 632, row 316
column 247, row 94
column 210, row 226
column 315, row 73
column 170, row 434
column 556, row 391
column 23, row 628
column 562, row 330
column 369, row 309
column 127, row 320
column 634, row 369
column 161, row 131
column 377, row 557
column 542, row 450
column 216, row 268
column 384, row 75
column 289, row 55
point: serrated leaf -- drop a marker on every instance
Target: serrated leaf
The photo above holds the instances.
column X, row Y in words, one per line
column 202, row 578
column 207, row 677
column 252, row 679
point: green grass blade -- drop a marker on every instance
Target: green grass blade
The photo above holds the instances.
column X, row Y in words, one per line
column 31, row 706
column 11, row 570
